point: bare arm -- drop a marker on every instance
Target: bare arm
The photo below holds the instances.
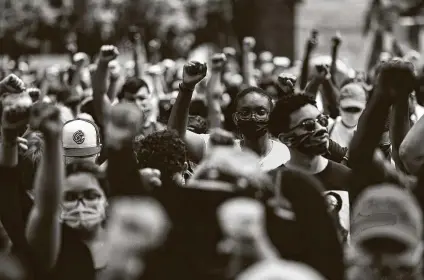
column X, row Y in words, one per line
column 248, row 64
column 214, row 91
column 411, row 150
column 43, row 229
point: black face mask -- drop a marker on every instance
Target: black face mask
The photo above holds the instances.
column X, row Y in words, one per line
column 252, row 128
column 309, row 145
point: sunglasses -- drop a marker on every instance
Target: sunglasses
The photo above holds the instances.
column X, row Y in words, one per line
column 310, row 124
column 87, row 197
column 351, row 109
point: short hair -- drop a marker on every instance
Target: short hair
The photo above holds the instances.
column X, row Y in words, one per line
column 249, row 90
column 279, row 119
column 85, row 166
column 132, row 86
column 198, row 124
column 162, row 150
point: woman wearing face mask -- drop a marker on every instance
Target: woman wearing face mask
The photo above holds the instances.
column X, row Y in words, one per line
column 353, row 100
column 253, row 106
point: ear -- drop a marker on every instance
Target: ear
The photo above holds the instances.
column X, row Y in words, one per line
column 235, row 119
column 286, row 139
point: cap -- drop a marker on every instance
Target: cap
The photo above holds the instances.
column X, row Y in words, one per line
column 387, row 211
column 80, row 138
column 280, row 270
column 353, row 95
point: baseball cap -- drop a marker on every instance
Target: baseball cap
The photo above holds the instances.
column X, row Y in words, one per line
column 279, row 270
column 80, row 138
column 389, row 212
column 353, row 95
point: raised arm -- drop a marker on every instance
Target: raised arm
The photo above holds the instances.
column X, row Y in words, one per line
column 215, row 90
column 193, row 73
column 43, row 229
column 411, row 150
column 310, row 46
column 248, row 67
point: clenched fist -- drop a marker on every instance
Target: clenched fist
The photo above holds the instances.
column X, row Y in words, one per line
column 336, row 40
column 287, row 82
column 154, row 46
column 218, row 61
column 34, row 93
column 108, row 53
column 248, row 43
column 193, row 73
column 16, row 111
column 397, row 77
column 312, row 41
column 11, row 84
column 229, row 52
column 81, row 59
column 46, row 118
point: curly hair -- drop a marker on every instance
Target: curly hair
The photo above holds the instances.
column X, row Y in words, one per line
column 279, row 119
column 85, row 166
column 162, row 150
column 197, row 124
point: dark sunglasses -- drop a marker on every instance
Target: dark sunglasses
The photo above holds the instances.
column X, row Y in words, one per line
column 310, row 124
column 351, row 109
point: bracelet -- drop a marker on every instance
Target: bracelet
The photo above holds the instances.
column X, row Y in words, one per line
column 183, row 87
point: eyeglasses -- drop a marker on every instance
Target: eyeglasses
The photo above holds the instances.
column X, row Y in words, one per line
column 87, row 197
column 260, row 114
column 310, row 124
column 351, row 109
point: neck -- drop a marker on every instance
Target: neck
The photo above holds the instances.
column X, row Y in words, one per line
column 346, row 125
column 306, row 163
column 260, row 146
column 93, row 235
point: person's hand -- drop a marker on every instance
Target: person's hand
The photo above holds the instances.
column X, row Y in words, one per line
column 336, row 41
column 193, row 73
column 80, row 60
column 312, row 41
column 150, row 178
column 323, row 71
column 114, row 70
column 34, row 93
column 108, row 53
column 155, row 70
column 229, row 52
column 218, row 62
column 46, row 119
column 11, row 84
column 221, row 137
column 397, row 78
column 154, row 46
column 16, row 111
column 287, row 82
column 124, row 123
column 134, row 34
column 71, row 48
column 248, row 44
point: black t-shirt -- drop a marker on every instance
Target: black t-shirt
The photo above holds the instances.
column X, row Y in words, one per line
column 335, row 176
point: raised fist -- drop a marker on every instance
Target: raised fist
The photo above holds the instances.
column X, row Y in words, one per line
column 218, row 61
column 81, row 59
column 34, row 93
column 193, row 73
column 313, row 40
column 249, row 43
column 114, row 69
column 150, row 178
column 287, row 82
column 108, row 53
column 155, row 70
column 266, row 57
column 154, row 45
column 221, row 137
column 336, row 40
column 72, row 48
column 16, row 111
column 397, row 77
column 323, row 71
column 229, row 52
column 46, row 118
column 12, row 84
column 124, row 124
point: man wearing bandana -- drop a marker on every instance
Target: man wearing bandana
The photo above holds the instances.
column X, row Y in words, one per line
column 297, row 122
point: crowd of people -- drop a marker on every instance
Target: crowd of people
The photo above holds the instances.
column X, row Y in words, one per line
column 238, row 166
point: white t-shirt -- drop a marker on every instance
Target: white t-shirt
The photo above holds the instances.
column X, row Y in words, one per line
column 339, row 133
column 278, row 155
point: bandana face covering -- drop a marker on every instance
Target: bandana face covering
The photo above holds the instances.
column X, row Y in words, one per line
column 310, row 144
column 252, row 128
column 83, row 217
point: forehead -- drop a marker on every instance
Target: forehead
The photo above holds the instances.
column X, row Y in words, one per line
column 81, row 182
column 143, row 91
column 308, row 111
column 253, row 100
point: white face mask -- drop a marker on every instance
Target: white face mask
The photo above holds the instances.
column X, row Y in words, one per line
column 83, row 217
column 350, row 119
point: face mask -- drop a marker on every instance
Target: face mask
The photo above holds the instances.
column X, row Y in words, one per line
column 252, row 129
column 83, row 217
column 350, row 119
column 310, row 144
